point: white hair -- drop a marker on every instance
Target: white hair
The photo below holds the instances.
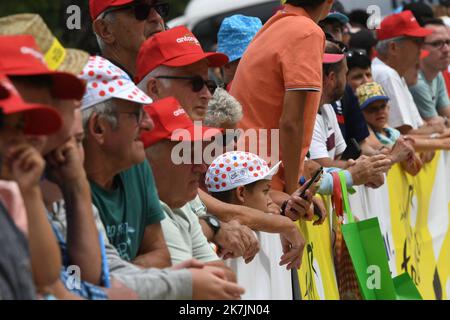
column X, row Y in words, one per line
column 223, row 109
column 106, row 109
column 158, row 71
column 382, row 46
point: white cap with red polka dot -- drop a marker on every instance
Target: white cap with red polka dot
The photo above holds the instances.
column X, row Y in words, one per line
column 106, row 81
column 237, row 168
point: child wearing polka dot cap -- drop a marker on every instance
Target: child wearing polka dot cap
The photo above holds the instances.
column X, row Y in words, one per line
column 243, row 178
column 237, row 168
column 106, row 81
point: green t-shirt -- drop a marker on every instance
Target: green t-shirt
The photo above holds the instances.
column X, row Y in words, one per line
column 129, row 208
column 430, row 96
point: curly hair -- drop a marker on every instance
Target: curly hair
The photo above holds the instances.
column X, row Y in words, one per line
column 223, row 109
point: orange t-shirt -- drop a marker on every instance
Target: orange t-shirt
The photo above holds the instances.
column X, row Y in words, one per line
column 286, row 54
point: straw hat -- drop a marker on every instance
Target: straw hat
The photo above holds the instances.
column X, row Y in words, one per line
column 55, row 55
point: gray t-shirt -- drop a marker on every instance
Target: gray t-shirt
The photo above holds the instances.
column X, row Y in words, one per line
column 184, row 235
column 149, row 284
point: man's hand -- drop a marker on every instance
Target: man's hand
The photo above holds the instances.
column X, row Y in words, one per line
column 209, row 284
column 64, row 164
column 26, row 165
column 191, row 263
column 273, row 208
column 367, row 170
column 293, row 244
column 299, row 208
column 119, row 291
column 236, row 240
column 319, row 207
column 427, row 156
column 402, row 150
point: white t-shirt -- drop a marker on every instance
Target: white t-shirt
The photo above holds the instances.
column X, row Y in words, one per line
column 403, row 108
column 327, row 140
column 263, row 278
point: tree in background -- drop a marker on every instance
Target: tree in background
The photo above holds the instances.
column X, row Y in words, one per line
column 54, row 13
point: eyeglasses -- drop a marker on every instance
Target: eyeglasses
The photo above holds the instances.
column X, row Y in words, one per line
column 141, row 10
column 374, row 109
column 355, row 52
column 138, row 114
column 438, row 44
column 197, row 82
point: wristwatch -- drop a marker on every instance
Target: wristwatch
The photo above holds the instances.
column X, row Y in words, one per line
column 212, row 222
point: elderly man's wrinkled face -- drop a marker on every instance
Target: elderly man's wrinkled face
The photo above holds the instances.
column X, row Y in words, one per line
column 123, row 143
column 438, row 44
column 409, row 52
column 178, row 182
column 130, row 33
column 194, row 103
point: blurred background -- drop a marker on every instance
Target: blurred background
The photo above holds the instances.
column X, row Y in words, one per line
column 203, row 17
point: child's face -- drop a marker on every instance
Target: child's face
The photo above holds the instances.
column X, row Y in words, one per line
column 377, row 114
column 258, row 196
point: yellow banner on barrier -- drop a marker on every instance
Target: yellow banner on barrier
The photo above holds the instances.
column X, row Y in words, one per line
column 316, row 275
column 413, row 228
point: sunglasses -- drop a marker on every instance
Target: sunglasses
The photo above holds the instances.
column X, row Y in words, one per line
column 197, row 82
column 355, row 52
column 141, row 10
column 374, row 109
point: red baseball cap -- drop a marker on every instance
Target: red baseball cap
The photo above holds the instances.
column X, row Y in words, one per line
column 21, row 57
column 169, row 117
column 175, row 47
column 96, row 7
column 4, row 92
column 401, row 24
column 330, row 58
column 39, row 119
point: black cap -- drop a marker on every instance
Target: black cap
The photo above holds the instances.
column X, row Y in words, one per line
column 363, row 39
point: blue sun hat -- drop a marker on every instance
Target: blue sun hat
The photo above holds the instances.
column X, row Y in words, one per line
column 235, row 34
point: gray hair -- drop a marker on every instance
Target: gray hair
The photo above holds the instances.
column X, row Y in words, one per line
column 383, row 45
column 110, row 19
column 223, row 109
column 159, row 71
column 106, row 109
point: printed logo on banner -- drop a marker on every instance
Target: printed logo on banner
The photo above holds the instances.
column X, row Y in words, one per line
column 411, row 245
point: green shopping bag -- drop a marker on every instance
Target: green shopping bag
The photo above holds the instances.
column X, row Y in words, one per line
column 367, row 251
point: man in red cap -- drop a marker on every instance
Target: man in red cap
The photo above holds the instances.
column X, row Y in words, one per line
column 23, row 63
column 399, row 47
column 121, row 26
column 173, row 63
column 178, row 183
column 24, row 165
